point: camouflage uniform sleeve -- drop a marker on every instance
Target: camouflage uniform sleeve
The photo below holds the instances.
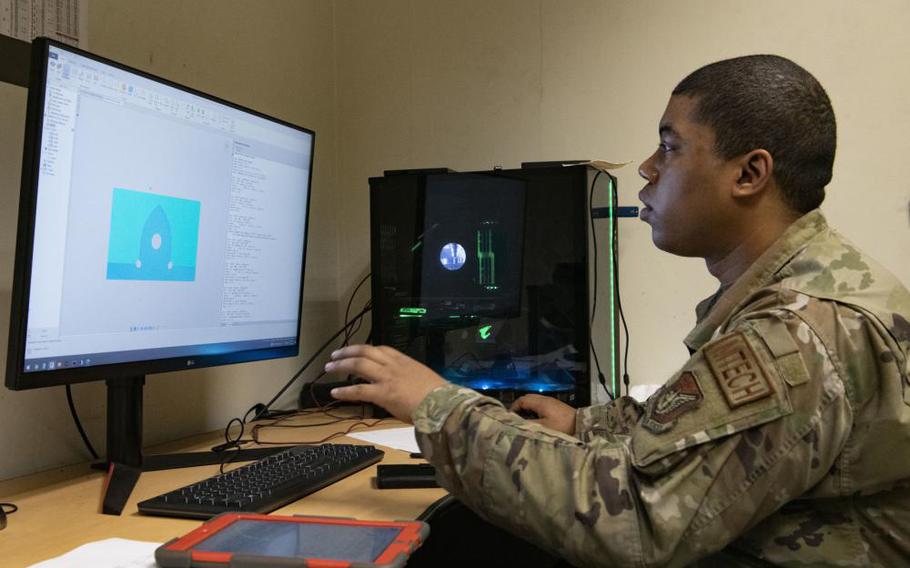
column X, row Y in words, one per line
column 754, row 419
column 616, row 418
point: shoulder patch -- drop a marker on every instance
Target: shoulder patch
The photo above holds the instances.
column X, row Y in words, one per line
column 738, row 371
column 671, row 402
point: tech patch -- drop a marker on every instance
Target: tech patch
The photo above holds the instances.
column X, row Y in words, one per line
column 738, row 371
column 671, row 402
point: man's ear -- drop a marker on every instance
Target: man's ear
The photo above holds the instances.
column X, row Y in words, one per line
column 755, row 170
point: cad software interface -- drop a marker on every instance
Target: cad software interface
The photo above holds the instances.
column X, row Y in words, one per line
column 167, row 224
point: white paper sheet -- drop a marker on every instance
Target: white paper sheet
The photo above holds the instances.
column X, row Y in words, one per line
column 110, row 553
column 396, row 438
column 642, row 392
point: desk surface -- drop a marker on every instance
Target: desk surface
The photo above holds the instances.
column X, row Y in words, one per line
column 59, row 509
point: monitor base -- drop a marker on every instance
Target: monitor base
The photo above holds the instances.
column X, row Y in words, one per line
column 125, row 462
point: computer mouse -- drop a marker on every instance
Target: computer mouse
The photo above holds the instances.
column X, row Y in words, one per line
column 527, row 414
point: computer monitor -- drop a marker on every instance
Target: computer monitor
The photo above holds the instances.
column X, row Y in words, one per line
column 160, row 228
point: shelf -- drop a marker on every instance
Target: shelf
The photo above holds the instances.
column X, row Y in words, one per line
column 14, row 61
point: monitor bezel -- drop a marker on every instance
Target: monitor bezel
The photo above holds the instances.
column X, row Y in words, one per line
column 16, row 378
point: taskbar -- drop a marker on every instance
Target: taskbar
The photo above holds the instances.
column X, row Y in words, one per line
column 42, row 364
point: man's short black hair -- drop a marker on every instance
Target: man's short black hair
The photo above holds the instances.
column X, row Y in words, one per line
column 769, row 102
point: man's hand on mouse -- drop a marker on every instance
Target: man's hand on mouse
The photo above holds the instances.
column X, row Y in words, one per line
column 551, row 413
column 394, row 381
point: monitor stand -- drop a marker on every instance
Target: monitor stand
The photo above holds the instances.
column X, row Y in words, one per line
column 124, row 461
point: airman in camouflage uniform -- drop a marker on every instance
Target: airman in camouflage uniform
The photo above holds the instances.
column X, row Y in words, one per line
column 783, row 440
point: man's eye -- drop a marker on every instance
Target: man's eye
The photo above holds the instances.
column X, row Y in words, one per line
column 664, row 147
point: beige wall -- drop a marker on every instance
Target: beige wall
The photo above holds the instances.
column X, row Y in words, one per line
column 277, row 60
column 470, row 84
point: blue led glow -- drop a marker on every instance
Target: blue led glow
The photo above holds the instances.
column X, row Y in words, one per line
column 541, row 381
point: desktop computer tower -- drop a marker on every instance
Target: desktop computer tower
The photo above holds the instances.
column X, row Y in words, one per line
column 484, row 277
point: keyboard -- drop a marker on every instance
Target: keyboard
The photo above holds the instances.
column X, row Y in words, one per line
column 265, row 485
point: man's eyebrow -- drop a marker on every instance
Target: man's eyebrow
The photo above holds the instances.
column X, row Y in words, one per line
column 668, row 130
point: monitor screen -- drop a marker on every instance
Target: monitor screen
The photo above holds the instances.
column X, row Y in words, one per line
column 160, row 228
column 470, row 248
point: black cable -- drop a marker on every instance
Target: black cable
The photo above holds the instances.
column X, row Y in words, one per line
column 231, row 442
column 347, row 337
column 357, row 327
column 600, row 375
column 594, row 241
column 347, row 310
column 235, row 442
column 261, row 410
column 622, row 315
column 344, row 329
column 75, row 415
column 6, row 509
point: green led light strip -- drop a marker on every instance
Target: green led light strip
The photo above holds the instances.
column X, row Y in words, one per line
column 407, row 310
column 612, row 292
column 486, row 259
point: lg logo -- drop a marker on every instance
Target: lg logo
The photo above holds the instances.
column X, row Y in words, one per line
column 190, row 362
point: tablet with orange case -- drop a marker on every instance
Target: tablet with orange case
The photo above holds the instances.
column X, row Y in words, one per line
column 244, row 540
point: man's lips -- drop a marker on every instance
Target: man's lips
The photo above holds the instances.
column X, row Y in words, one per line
column 646, row 210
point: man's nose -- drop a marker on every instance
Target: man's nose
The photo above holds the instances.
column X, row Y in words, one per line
column 647, row 170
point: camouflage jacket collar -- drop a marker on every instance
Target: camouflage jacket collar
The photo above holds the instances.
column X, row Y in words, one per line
column 712, row 312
